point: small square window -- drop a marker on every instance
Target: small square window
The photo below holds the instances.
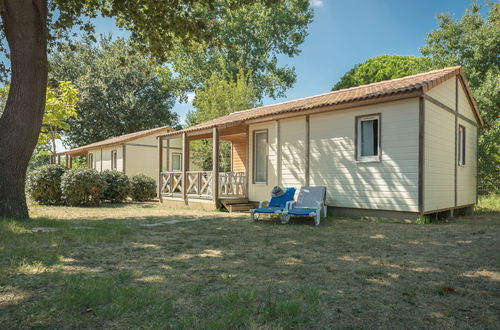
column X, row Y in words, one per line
column 461, row 145
column 176, row 162
column 368, row 138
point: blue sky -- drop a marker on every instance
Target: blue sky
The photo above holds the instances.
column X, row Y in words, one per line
column 347, row 32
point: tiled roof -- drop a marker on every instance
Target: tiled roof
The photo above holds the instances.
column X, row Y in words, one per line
column 410, row 84
column 118, row 140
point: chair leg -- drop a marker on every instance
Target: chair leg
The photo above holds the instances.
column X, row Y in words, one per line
column 285, row 219
column 318, row 219
column 325, row 210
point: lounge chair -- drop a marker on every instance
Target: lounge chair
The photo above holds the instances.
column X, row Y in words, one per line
column 310, row 202
column 274, row 206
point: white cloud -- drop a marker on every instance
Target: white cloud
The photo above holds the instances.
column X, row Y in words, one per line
column 317, row 3
column 190, row 97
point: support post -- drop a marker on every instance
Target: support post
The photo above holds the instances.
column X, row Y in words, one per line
column 307, row 152
column 167, row 165
column 185, row 161
column 70, row 161
column 160, row 166
column 247, row 160
column 66, row 160
column 278, row 152
column 215, row 164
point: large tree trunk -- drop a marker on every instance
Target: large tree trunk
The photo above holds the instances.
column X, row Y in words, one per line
column 25, row 27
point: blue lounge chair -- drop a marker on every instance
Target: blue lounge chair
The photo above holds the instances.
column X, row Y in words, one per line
column 274, row 206
column 310, row 202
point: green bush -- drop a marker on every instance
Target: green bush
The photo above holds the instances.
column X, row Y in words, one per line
column 82, row 186
column 143, row 188
column 44, row 184
column 117, row 186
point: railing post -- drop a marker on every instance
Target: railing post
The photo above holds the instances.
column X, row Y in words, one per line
column 185, row 162
column 215, row 164
column 160, row 166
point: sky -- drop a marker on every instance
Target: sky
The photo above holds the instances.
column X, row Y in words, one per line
column 347, row 32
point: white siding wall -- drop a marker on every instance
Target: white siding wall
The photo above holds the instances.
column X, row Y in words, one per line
column 466, row 174
column 464, row 107
column 258, row 192
column 439, row 183
column 293, row 151
column 105, row 162
column 445, row 93
column 390, row 184
column 440, row 147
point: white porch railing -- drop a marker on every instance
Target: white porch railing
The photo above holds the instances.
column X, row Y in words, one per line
column 199, row 184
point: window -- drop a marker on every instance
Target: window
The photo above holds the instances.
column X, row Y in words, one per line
column 90, row 160
column 368, row 138
column 176, row 162
column 114, row 158
column 260, row 157
column 461, row 145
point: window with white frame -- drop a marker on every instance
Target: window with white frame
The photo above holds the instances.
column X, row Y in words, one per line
column 260, row 157
column 114, row 160
column 368, row 138
column 461, row 145
column 90, row 160
column 176, row 162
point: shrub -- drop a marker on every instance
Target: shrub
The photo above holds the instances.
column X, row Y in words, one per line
column 117, row 186
column 82, row 186
column 44, row 184
column 143, row 188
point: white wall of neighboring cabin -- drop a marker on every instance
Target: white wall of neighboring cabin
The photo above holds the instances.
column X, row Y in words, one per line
column 391, row 184
column 141, row 156
column 441, row 146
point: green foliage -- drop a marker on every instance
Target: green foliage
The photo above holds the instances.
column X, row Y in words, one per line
column 423, row 220
column 474, row 43
column 251, row 37
column 143, row 188
column 59, row 108
column 117, row 186
column 221, row 95
column 82, row 186
column 488, row 205
column 44, row 184
column 120, row 90
column 384, row 67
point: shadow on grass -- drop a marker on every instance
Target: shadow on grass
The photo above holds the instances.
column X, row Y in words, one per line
column 233, row 273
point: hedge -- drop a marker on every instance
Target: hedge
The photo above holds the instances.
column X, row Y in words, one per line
column 44, row 184
column 82, row 186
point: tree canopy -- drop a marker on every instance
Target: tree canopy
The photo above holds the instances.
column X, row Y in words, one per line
column 29, row 26
column 120, row 89
column 380, row 68
column 221, row 95
column 250, row 37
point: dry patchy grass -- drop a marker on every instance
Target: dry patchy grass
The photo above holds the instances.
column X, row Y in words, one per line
column 102, row 268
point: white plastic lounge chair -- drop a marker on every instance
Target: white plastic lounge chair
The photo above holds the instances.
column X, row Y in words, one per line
column 310, row 202
column 275, row 206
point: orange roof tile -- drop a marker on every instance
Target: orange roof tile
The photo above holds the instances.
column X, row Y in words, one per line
column 410, row 84
column 117, row 140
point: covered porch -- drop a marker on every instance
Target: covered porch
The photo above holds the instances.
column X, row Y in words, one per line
column 182, row 182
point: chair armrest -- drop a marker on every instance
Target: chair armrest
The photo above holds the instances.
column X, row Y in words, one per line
column 289, row 205
column 261, row 204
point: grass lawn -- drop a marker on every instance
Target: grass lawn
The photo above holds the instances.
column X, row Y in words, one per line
column 102, row 268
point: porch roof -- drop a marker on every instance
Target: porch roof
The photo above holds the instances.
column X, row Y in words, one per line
column 410, row 86
column 117, row 140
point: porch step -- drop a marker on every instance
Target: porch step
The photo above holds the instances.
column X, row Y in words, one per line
column 239, row 207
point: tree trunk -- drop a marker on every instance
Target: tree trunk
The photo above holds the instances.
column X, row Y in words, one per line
column 25, row 28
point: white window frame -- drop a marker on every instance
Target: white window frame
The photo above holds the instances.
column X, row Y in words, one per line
column 254, row 156
column 177, row 154
column 90, row 160
column 461, row 145
column 359, row 121
column 114, row 160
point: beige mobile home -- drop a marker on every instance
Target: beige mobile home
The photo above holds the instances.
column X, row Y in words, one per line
column 402, row 147
column 131, row 154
